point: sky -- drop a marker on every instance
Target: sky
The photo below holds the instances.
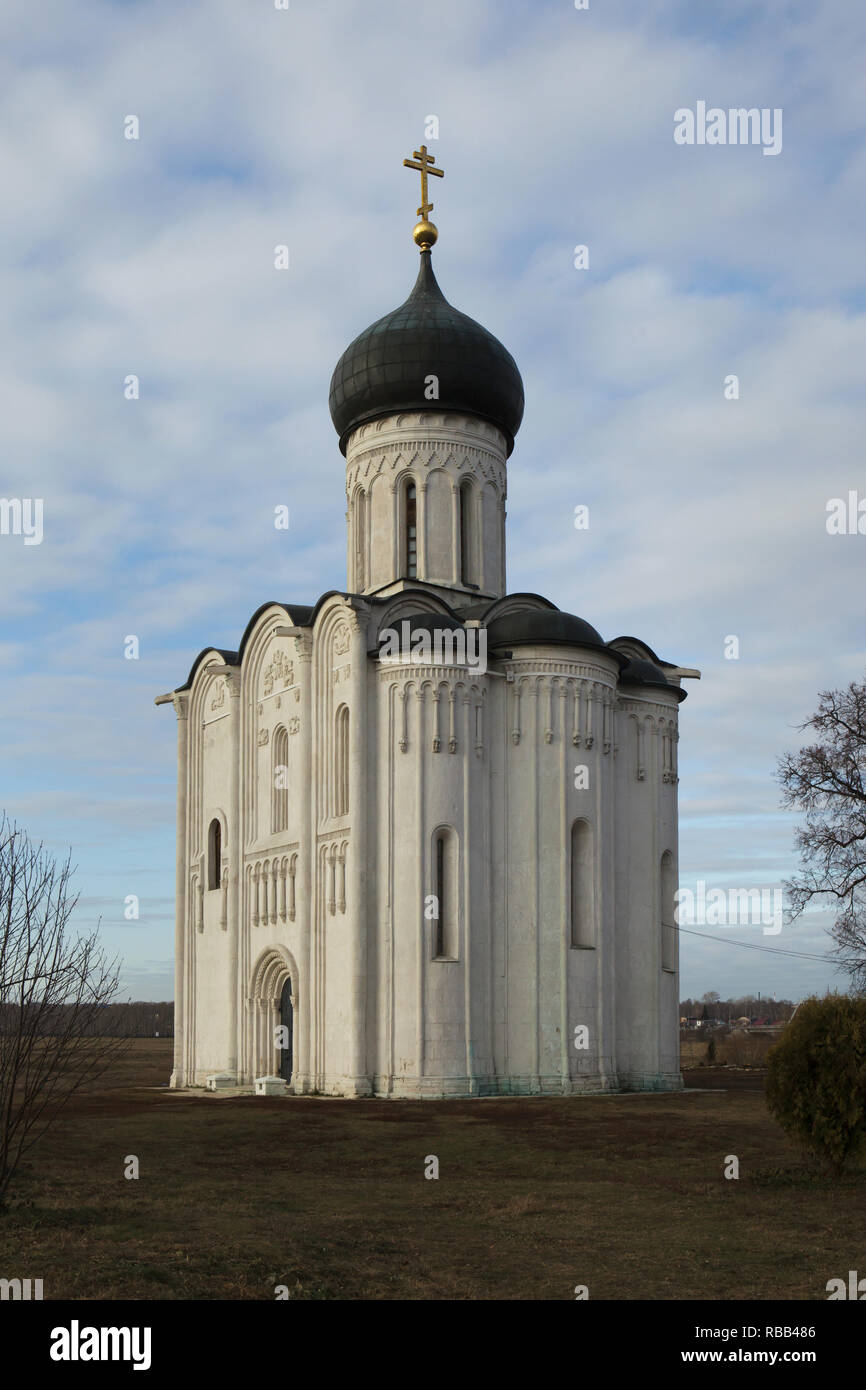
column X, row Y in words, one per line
column 154, row 257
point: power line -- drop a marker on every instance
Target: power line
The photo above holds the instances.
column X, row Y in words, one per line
column 770, row 950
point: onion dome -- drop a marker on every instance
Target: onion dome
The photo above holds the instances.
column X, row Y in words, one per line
column 386, row 369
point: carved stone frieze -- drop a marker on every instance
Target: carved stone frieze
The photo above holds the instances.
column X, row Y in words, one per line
column 279, row 673
column 387, row 459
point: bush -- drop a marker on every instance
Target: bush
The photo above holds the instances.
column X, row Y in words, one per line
column 711, row 1052
column 816, row 1078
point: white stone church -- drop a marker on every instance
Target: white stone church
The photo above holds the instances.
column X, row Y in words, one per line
column 449, row 873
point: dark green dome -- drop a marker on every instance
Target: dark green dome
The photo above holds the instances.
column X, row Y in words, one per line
column 384, row 370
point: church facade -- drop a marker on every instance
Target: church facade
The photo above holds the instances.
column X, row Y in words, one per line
column 427, row 829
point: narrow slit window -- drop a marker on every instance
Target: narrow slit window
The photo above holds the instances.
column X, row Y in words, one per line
column 411, row 533
column 279, row 772
column 214, row 854
column 466, row 576
column 582, row 887
column 668, row 922
column 445, row 876
column 440, row 895
column 341, row 763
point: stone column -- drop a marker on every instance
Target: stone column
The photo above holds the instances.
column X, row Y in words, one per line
column 303, row 896
column 421, row 528
column 235, row 846
column 396, row 528
column 351, row 544
column 181, row 709
column 356, row 868
column 565, row 763
column 456, row 576
column 469, row 737
column 502, row 514
column 479, row 537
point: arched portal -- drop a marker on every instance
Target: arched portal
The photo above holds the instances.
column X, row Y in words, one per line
column 273, row 1005
column 287, row 1033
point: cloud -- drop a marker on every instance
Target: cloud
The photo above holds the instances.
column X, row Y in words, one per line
column 156, row 257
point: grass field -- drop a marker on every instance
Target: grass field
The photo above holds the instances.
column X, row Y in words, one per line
column 625, row 1194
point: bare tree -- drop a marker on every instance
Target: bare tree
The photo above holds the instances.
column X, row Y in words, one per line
column 53, row 985
column 826, row 780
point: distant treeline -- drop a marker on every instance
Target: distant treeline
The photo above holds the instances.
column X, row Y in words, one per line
column 131, row 1020
column 710, row 1006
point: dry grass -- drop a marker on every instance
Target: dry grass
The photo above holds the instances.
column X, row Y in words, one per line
column 732, row 1050
column 624, row 1194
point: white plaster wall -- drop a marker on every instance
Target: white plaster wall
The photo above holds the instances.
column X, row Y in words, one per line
column 437, row 451
column 551, row 987
column 647, row 1007
column 438, row 564
column 374, row 1010
column 215, row 730
column 273, row 695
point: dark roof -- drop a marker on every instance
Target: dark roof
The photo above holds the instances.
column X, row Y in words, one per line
column 419, row 622
column 301, row 613
column 637, row 642
column 549, row 627
column 385, row 369
column 640, row 672
column 229, row 659
column 486, row 608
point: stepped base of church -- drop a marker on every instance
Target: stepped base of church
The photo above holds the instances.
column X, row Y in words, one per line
column 444, row 1088
column 463, row 1087
column 651, row 1081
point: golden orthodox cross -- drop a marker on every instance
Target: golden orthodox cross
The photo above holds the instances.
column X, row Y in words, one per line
column 424, row 164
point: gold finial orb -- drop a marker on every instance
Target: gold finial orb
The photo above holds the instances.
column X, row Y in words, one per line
column 425, row 235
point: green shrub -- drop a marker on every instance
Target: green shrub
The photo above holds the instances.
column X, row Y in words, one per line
column 816, row 1078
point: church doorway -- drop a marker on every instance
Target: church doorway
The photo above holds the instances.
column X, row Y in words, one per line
column 271, row 1046
column 287, row 1022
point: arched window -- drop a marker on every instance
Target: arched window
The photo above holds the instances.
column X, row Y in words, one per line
column 341, row 762
column 287, row 1021
column 467, row 537
column 214, row 854
column 360, row 539
column 279, row 775
column 582, row 887
column 445, row 889
column 411, row 524
column 667, row 890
